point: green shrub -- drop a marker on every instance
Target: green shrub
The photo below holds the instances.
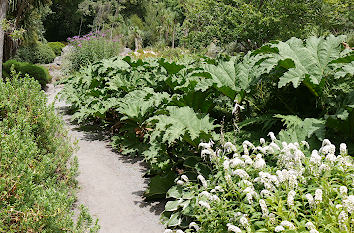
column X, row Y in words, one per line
column 57, row 47
column 37, row 185
column 37, row 72
column 38, row 53
column 89, row 49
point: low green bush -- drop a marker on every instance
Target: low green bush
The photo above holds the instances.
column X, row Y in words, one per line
column 38, row 53
column 39, row 73
column 57, row 47
column 37, row 185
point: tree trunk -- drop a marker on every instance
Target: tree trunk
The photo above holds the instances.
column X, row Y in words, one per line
column 173, row 36
column 3, row 8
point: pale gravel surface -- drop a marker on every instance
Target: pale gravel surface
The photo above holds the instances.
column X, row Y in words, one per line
column 111, row 185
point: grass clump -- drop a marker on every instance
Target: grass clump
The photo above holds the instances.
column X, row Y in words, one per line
column 37, row 187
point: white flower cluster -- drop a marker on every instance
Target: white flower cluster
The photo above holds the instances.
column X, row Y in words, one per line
column 247, row 173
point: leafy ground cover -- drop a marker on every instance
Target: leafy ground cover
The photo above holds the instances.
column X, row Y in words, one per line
column 300, row 89
column 37, row 187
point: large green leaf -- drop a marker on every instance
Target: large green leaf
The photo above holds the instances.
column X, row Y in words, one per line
column 159, row 185
column 309, row 60
column 181, row 123
column 136, row 105
column 299, row 130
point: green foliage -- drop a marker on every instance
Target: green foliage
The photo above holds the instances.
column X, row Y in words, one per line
column 37, row 72
column 38, row 172
column 38, row 53
column 57, row 47
column 181, row 123
column 162, row 110
column 317, row 71
column 301, row 130
column 250, row 24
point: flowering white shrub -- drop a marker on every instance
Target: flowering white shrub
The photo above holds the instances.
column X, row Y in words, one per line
column 275, row 187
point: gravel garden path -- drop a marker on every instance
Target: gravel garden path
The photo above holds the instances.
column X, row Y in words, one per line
column 111, row 185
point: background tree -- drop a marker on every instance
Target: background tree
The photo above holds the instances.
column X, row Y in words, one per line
column 3, row 8
column 26, row 15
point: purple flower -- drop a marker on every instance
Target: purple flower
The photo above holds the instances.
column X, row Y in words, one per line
column 79, row 45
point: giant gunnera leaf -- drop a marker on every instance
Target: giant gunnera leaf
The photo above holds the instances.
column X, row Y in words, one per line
column 309, row 61
column 181, row 123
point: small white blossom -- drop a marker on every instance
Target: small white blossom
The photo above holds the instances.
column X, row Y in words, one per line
column 203, row 181
column 228, row 179
column 324, row 167
column 328, row 149
column 272, row 137
column 206, row 194
column 290, row 200
column 318, row 196
column 180, row 182
column 305, row 144
column 204, row 204
column 326, row 142
column 248, row 160
column 339, row 206
column 274, row 146
column 314, row 231
column 241, row 173
column 292, row 177
column 266, row 193
column 179, row 231
column 194, row 225
column 235, row 162
column 331, row 158
column 348, row 203
column 259, row 163
column 244, row 222
column 226, row 164
column 249, row 198
column 315, row 157
column 185, row 178
column 236, row 107
column 310, row 225
column 343, row 149
column 281, row 175
column 262, row 141
column 168, row 231
column 264, row 207
column 343, row 190
column 288, row 224
column 233, row 228
column 237, row 214
column 310, row 200
column 206, row 145
column 279, row 229
column 205, row 152
column 230, row 147
column 342, row 220
column 272, row 219
column 214, row 198
column 218, row 188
